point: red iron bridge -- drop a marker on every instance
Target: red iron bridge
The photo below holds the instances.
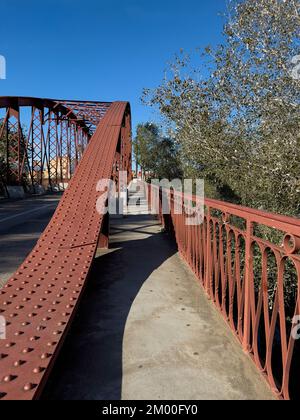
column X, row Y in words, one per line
column 187, row 275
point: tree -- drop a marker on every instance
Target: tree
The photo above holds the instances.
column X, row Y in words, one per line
column 157, row 155
column 239, row 127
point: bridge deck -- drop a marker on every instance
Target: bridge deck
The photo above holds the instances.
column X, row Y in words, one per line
column 145, row 330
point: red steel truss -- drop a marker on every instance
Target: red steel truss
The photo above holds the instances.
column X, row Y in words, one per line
column 40, row 300
column 44, row 139
column 88, row 112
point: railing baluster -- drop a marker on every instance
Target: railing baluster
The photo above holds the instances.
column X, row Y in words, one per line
column 225, row 257
column 248, row 277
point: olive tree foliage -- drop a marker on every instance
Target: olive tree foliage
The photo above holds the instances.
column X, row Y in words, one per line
column 156, row 154
column 239, row 127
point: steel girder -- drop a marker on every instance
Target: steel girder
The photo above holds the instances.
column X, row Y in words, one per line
column 43, row 146
column 40, row 300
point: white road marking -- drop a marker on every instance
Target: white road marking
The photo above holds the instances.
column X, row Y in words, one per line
column 25, row 213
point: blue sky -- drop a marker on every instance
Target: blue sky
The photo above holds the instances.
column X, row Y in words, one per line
column 100, row 50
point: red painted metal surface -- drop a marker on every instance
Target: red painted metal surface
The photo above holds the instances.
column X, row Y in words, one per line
column 89, row 112
column 44, row 140
column 247, row 276
column 40, row 300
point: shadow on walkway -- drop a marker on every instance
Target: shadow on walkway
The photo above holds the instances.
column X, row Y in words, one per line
column 90, row 364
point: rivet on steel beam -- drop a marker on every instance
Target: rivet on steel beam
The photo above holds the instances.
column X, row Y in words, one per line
column 27, row 350
column 29, row 387
column 38, row 370
column 9, row 378
column 19, row 363
column 35, row 338
column 40, row 328
column 46, row 356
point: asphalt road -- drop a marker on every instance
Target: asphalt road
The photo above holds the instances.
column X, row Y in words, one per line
column 21, row 224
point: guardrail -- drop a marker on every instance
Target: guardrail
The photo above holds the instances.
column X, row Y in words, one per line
column 249, row 265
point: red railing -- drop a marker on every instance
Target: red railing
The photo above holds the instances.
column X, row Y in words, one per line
column 249, row 265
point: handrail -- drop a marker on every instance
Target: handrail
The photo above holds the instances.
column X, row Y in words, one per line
column 273, row 220
column 253, row 281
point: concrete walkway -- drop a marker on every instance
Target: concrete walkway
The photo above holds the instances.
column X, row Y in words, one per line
column 145, row 330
